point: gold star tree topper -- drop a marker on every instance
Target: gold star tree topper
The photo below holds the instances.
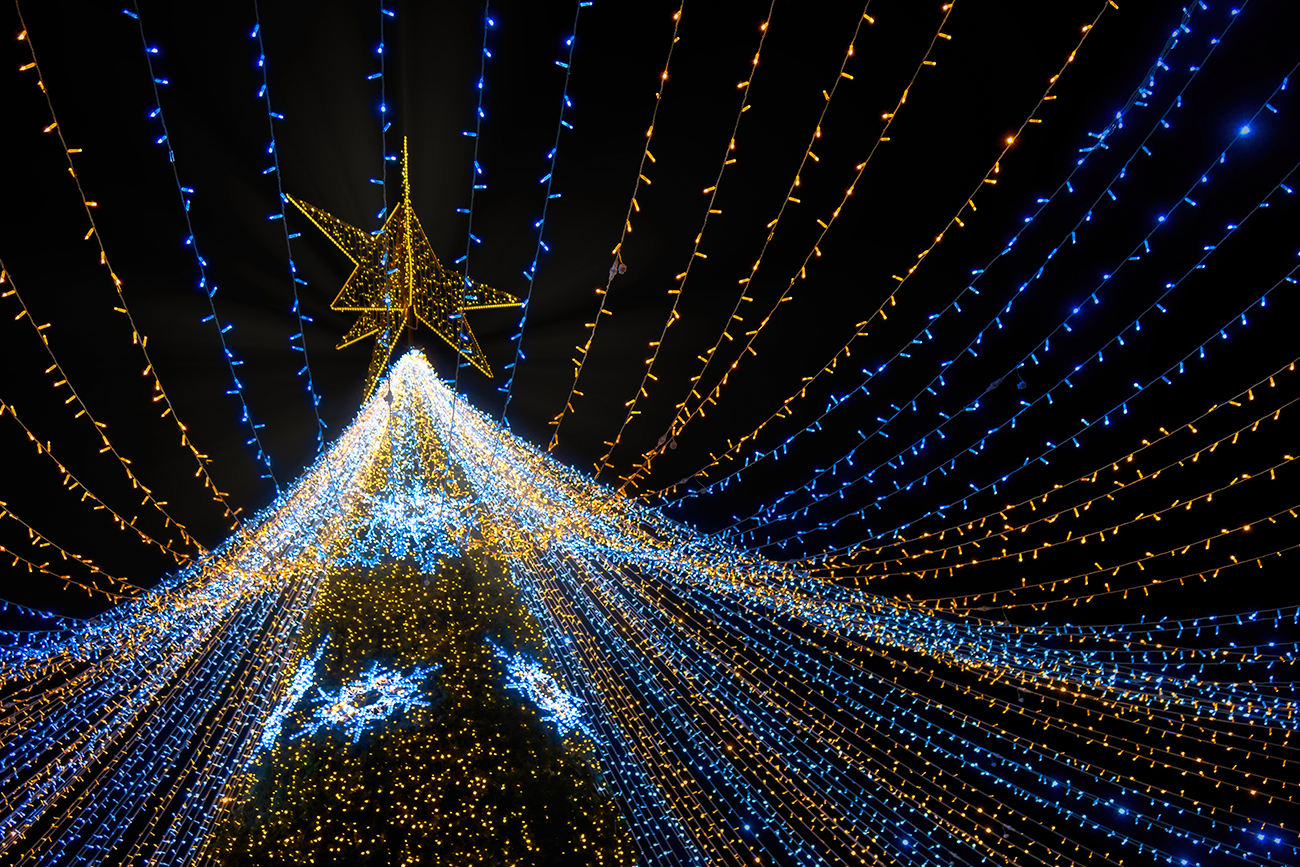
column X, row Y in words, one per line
column 398, row 281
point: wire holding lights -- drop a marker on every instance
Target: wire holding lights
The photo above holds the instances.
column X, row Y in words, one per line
column 618, row 267
column 476, row 183
column 298, row 342
column 186, row 194
column 712, row 192
column 548, row 180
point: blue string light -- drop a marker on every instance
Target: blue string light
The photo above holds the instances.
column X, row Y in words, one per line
column 298, row 342
column 704, row 675
column 476, row 183
column 741, row 710
column 186, row 194
column 1120, row 408
column 384, row 117
column 548, row 180
column 1143, row 246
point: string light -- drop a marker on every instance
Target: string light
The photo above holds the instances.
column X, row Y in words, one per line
column 475, row 176
column 669, row 437
column 712, row 193
column 191, row 241
column 1138, row 97
column 837, row 564
column 75, row 399
column 1132, row 328
column 297, row 342
column 829, row 95
column 548, row 180
column 137, row 339
column 384, row 122
column 685, row 414
column 630, row 602
column 1044, row 346
column 618, row 267
column 736, row 708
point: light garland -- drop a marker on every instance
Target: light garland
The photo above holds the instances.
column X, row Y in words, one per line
column 687, row 412
column 711, row 191
column 186, row 194
column 137, row 338
column 628, row 603
column 619, row 267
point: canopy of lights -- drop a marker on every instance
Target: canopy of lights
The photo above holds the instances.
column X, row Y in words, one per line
column 834, row 674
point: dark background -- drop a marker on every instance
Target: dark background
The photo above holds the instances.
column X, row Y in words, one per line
column 958, row 114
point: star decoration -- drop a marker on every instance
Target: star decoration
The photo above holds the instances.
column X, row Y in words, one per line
column 531, row 680
column 378, row 693
column 398, row 281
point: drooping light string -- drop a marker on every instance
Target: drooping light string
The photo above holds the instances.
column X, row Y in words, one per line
column 137, row 338
column 643, row 468
column 476, row 183
column 384, row 123
column 801, row 273
column 668, row 439
column 712, row 192
column 392, row 320
column 742, row 710
column 186, row 194
column 1132, row 329
column 297, row 342
column 618, row 267
column 1138, row 98
column 538, row 528
column 548, row 182
column 963, row 602
column 37, row 539
column 850, row 565
column 122, row 589
column 71, row 483
column 1142, row 247
column 159, row 667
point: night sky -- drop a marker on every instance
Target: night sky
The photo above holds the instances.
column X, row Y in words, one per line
column 986, row 81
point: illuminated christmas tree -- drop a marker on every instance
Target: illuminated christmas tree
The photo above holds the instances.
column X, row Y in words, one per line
column 421, row 724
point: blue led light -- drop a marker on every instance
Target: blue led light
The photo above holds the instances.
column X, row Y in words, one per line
column 531, row 273
column 185, row 193
column 1134, row 100
column 379, row 693
column 532, row 681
